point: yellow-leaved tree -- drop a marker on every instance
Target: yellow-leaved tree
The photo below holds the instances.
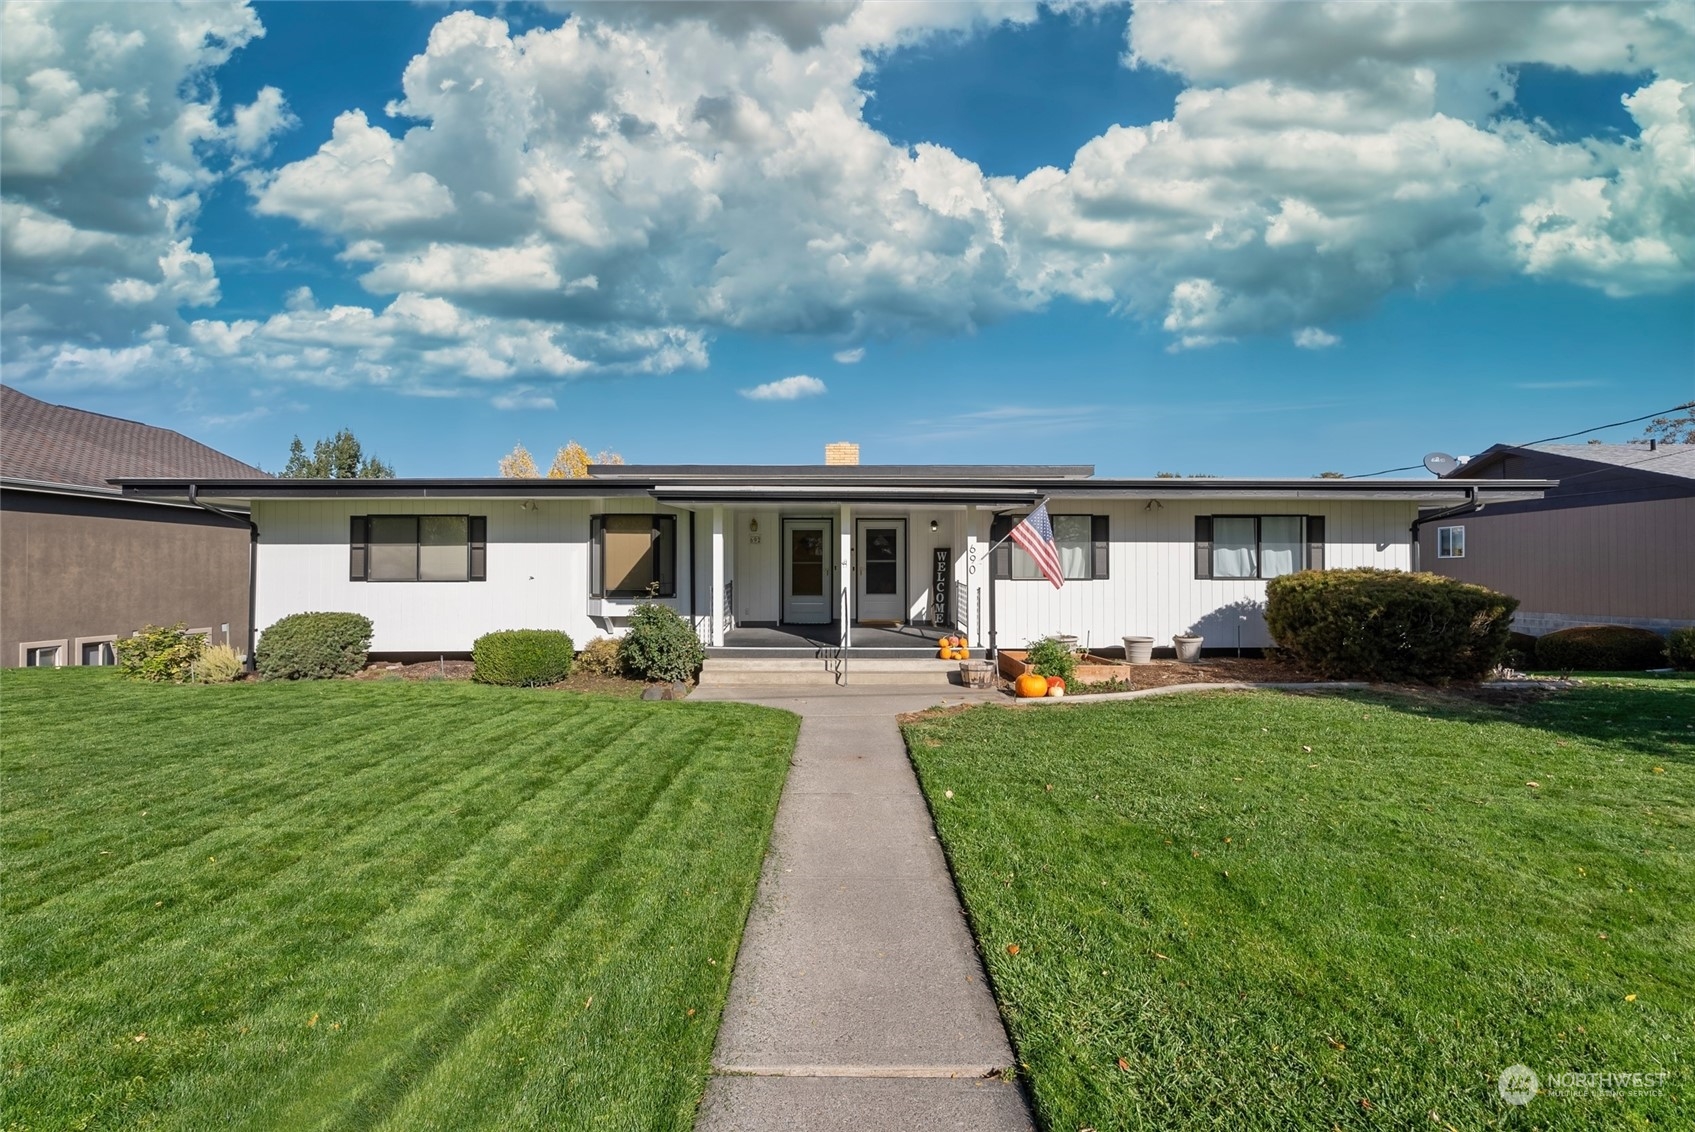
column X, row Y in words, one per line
column 569, row 463
column 572, row 461
column 518, row 464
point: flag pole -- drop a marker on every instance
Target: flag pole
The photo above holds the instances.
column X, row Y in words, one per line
column 994, row 653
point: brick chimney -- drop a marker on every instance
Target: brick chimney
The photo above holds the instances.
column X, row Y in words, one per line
column 841, row 452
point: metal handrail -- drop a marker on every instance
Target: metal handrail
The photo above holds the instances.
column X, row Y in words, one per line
column 841, row 653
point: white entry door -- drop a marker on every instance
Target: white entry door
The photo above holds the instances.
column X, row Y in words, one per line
column 881, row 569
column 808, row 589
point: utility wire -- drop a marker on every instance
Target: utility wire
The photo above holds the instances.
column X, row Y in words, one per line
column 1544, row 440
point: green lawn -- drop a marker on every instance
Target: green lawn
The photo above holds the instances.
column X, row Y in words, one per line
column 1247, row 911
column 370, row 905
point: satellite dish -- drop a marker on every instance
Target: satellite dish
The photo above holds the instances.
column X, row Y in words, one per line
column 1440, row 463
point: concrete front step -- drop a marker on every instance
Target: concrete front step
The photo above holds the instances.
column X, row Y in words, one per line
column 926, row 672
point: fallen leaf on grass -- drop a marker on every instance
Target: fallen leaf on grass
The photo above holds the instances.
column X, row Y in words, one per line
column 1533, row 784
column 1334, row 1044
column 143, row 1037
column 1367, row 1105
column 947, row 793
column 311, row 1022
column 1124, row 1065
column 1012, row 949
column 1659, row 770
column 1157, row 955
column 1630, row 998
column 1307, row 749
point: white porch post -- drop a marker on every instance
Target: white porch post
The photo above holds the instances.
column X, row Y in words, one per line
column 844, row 574
column 970, row 570
column 715, row 606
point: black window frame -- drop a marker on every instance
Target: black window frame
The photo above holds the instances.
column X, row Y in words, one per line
column 1100, row 547
column 1312, row 545
column 359, row 548
column 1440, row 531
column 664, row 533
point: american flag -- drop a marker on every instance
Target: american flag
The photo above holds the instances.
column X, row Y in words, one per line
column 1035, row 535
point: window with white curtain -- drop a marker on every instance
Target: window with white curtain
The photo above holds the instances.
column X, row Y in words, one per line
column 1082, row 543
column 1257, row 546
column 1235, row 547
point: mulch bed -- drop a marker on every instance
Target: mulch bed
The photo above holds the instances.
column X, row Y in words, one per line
column 461, row 670
column 1212, row 670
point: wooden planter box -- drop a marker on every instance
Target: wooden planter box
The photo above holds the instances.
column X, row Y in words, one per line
column 1091, row 669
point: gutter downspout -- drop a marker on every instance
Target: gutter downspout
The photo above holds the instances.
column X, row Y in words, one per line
column 1471, row 506
column 252, row 566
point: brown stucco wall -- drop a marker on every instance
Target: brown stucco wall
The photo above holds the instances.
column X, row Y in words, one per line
column 1623, row 563
column 73, row 567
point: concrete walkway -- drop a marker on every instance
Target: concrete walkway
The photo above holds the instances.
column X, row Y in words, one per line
column 858, row 1000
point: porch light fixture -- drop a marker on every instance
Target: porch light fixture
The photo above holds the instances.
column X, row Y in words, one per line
column 935, row 526
column 753, row 526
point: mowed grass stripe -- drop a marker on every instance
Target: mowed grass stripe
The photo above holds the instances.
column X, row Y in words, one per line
column 370, row 955
column 1273, row 908
column 264, row 840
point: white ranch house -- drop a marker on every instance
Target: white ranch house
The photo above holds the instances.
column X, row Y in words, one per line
column 824, row 556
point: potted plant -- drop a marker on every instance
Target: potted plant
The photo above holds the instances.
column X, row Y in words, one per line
column 1139, row 650
column 1188, row 647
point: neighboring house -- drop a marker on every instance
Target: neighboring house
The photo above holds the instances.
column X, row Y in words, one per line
column 1613, row 543
column 81, row 565
column 876, row 556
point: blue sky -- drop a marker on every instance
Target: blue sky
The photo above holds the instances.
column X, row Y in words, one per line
column 1248, row 239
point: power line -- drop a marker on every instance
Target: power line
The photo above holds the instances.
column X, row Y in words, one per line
column 1544, row 440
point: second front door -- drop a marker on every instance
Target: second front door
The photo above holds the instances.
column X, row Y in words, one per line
column 881, row 568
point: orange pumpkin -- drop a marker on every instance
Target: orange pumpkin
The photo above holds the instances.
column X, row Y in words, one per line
column 1056, row 681
column 944, row 653
column 962, row 654
column 963, row 643
column 1030, row 686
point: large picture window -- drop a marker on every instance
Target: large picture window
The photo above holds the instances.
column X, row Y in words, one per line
column 1082, row 541
column 1257, row 546
column 418, row 548
column 633, row 556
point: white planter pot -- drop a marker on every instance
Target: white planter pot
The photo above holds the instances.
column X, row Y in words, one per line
column 1139, row 650
column 1188, row 648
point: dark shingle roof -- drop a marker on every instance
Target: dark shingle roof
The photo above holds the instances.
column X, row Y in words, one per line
column 57, row 444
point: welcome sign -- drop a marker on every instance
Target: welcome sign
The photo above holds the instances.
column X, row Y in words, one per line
column 939, row 583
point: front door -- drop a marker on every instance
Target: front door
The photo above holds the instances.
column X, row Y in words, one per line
column 808, row 596
column 882, row 569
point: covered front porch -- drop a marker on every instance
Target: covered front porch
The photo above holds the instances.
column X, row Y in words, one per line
column 819, row 640
column 809, row 577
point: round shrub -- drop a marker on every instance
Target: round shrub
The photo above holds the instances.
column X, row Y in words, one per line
column 600, row 657
column 1680, row 649
column 1600, row 648
column 314, row 646
column 660, row 646
column 159, row 653
column 522, row 658
column 1388, row 625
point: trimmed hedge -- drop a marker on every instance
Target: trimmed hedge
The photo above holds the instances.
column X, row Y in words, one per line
column 660, row 646
column 1600, row 648
column 522, row 658
column 1680, row 649
column 313, row 646
column 1388, row 625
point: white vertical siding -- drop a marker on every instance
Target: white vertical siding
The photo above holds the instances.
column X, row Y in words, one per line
column 1152, row 589
column 538, row 567
column 538, row 564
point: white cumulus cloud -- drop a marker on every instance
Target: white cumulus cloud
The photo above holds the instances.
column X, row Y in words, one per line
column 849, row 357
column 786, row 389
column 1314, row 338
